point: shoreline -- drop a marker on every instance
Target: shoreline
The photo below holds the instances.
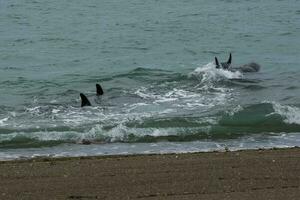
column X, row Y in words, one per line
column 103, row 156
column 243, row 174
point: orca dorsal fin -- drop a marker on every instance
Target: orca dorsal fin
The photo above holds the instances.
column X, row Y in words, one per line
column 217, row 63
column 229, row 59
column 84, row 100
column 99, row 90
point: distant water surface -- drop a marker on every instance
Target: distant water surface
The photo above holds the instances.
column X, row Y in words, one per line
column 155, row 61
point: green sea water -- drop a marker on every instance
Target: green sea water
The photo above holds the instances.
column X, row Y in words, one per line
column 155, row 62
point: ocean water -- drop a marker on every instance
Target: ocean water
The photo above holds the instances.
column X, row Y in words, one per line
column 155, row 62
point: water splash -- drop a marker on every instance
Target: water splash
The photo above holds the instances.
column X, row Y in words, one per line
column 209, row 74
column 291, row 114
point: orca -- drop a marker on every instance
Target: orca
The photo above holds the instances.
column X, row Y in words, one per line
column 224, row 65
column 84, row 100
column 250, row 67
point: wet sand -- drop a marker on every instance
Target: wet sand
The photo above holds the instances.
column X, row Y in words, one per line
column 251, row 174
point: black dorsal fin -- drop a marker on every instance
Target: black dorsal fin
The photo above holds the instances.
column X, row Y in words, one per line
column 99, row 90
column 84, row 100
column 229, row 59
column 217, row 63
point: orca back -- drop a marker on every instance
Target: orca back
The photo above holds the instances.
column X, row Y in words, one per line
column 250, row 67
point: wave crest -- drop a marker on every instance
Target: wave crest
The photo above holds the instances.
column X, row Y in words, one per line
column 291, row 114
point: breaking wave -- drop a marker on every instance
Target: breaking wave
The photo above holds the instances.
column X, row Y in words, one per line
column 264, row 118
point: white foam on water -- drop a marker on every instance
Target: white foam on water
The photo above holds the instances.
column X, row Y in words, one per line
column 291, row 114
column 236, row 109
column 185, row 99
column 2, row 121
column 209, row 73
column 74, row 150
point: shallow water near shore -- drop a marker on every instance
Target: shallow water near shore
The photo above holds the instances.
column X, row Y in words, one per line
column 154, row 61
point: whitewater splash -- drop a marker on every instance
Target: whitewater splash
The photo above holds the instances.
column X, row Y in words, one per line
column 291, row 114
column 209, row 73
column 135, row 126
